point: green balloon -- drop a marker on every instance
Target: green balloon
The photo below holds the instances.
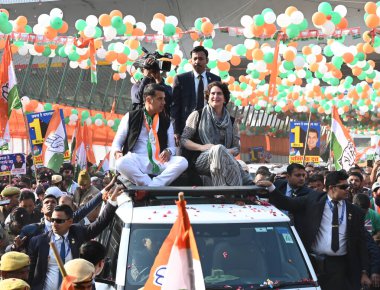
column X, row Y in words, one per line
column 18, row 43
column 288, row 65
column 371, row 75
column 349, row 80
column 268, row 57
column 327, row 51
column 126, row 51
column 169, row 29
column 85, row 114
column 258, row 20
column 325, row 8
column 237, row 102
column 3, row 18
column 74, row 111
column 292, row 31
column 6, row 28
column 266, row 10
column 48, row 107
column 74, row 56
column 241, row 49
column 67, row 120
column 61, row 52
column 208, row 43
column 116, row 21
column 303, row 25
column 257, row 107
column 337, row 61
column 243, row 86
column 360, row 56
column 198, row 24
column 255, row 74
column 277, row 109
column 98, row 32
column 335, row 18
column 47, row 51
column 212, row 64
column 28, row 29
column 80, row 24
column 56, row 23
column 121, row 29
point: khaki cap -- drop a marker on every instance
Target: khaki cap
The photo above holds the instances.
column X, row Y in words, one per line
column 10, row 190
column 83, row 177
column 13, row 261
column 14, row 284
column 56, row 178
column 81, row 269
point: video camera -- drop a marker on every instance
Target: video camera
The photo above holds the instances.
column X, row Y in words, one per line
column 163, row 65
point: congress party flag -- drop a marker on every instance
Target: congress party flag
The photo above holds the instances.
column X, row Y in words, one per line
column 343, row 147
column 55, row 144
column 104, row 165
column 177, row 265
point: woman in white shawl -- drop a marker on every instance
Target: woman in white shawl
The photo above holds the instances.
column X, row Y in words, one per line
column 211, row 140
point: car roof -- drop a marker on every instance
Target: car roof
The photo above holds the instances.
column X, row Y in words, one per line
column 203, row 214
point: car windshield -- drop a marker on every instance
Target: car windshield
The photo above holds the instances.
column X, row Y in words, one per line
column 232, row 255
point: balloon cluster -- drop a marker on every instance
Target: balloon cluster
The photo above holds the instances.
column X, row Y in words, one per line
column 328, row 19
column 165, row 25
column 51, row 24
column 292, row 22
column 5, row 25
column 259, row 24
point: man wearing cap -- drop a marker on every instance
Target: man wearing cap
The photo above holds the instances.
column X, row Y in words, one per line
column 68, row 184
column 68, row 238
column 14, row 265
column 56, row 180
column 12, row 194
column 14, row 284
column 375, row 199
column 82, row 271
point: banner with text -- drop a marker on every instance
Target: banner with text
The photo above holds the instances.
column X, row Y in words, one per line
column 12, row 164
column 299, row 146
column 38, row 124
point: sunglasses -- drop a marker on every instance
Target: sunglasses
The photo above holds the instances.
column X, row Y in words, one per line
column 342, row 186
column 58, row 221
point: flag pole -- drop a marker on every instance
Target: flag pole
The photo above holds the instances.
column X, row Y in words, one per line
column 331, row 157
column 307, row 136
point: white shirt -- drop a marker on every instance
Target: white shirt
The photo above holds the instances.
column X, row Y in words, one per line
column 196, row 82
column 48, row 227
column 52, row 275
column 322, row 243
column 73, row 186
column 141, row 143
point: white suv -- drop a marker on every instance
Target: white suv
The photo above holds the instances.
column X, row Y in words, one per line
column 241, row 245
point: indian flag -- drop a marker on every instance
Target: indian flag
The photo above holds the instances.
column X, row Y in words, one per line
column 9, row 97
column 104, row 165
column 343, row 147
column 55, row 144
column 177, row 265
column 79, row 157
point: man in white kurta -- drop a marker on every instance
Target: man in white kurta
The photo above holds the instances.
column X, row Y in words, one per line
column 145, row 159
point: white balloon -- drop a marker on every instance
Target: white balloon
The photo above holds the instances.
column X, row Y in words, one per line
column 110, row 123
column 247, row 32
column 122, row 75
column 283, row 20
column 297, row 17
column 25, row 100
column 224, row 55
column 246, row 20
column 44, row 20
column 212, row 54
column 56, row 12
column 109, row 33
column 157, row 24
column 250, row 43
column 73, row 117
column 88, row 121
column 322, row 68
column 141, row 25
column 81, row 51
column 101, row 53
column 73, row 64
column 23, row 50
column 292, row 78
column 119, row 47
column 172, row 20
column 311, row 58
column 83, row 64
column 301, row 73
column 261, row 66
column 328, row 28
column 38, row 29
column 133, row 55
column 270, row 17
column 342, row 10
column 129, row 18
column 316, row 49
column 40, row 108
column 299, row 61
column 98, row 122
column 188, row 67
column 92, row 20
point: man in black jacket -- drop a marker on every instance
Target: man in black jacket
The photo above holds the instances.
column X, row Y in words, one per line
column 188, row 90
column 67, row 237
column 332, row 232
column 144, row 143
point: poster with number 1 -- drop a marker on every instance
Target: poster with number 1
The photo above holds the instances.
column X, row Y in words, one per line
column 38, row 124
column 298, row 143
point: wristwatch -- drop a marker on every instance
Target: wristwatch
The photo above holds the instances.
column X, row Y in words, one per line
column 167, row 150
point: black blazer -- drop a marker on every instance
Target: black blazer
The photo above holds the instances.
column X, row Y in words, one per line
column 310, row 209
column 184, row 98
column 281, row 185
column 39, row 245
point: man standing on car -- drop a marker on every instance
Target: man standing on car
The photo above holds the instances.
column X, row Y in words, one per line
column 188, row 90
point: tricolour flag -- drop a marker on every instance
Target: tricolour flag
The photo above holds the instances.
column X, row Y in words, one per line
column 9, row 97
column 83, row 151
column 177, row 265
column 55, row 144
column 343, row 147
column 104, row 165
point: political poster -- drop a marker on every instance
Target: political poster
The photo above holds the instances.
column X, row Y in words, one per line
column 38, row 124
column 12, row 164
column 300, row 144
column 259, row 155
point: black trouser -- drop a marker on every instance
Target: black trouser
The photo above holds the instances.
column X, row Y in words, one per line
column 334, row 276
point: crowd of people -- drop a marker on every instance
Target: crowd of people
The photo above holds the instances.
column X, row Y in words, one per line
column 185, row 136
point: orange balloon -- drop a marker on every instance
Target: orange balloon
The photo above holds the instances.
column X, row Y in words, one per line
column 348, row 57
column 14, row 49
column 359, row 47
column 370, row 7
column 356, row 71
column 194, row 35
column 116, row 13
column 170, row 80
column 228, row 47
column 372, row 20
column 137, row 32
column 290, row 10
column 176, row 60
column 235, row 60
column 257, row 30
column 129, row 28
column 207, row 28
column 116, row 77
column 343, row 23
column 306, row 50
column 257, row 54
column 50, row 33
column 314, row 67
column 110, row 56
column 2, row 43
column 179, row 32
column 367, row 48
column 104, row 20
column 18, row 28
column 224, row 66
column 248, row 54
column 318, row 18
column 133, row 43
column 21, row 21
column 122, row 69
column 269, row 29
column 64, row 28
column 122, row 58
column 39, row 48
column 159, row 16
column 289, row 55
